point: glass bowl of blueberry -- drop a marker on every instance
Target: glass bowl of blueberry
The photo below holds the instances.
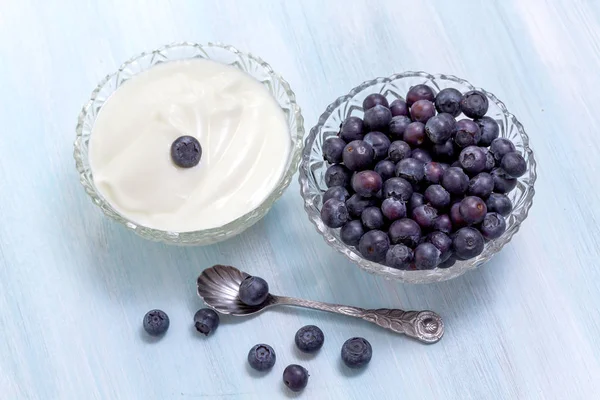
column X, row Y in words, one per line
column 417, row 177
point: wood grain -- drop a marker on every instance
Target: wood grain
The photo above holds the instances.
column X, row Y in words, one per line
column 74, row 286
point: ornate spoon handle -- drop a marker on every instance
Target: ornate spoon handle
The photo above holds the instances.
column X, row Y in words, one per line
column 425, row 326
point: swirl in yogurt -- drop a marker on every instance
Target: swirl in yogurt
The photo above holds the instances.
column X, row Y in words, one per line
column 241, row 128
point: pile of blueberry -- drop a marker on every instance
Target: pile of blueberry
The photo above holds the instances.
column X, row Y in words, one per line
column 415, row 189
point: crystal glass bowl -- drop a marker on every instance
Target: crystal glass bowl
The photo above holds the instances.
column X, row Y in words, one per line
column 313, row 167
column 248, row 63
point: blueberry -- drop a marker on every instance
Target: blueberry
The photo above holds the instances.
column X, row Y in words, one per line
column 490, row 161
column 467, row 243
column 419, row 92
column 416, row 200
column 352, row 129
column 405, row 231
column 309, row 338
column 398, row 188
column 444, row 151
column 380, row 144
column 393, row 208
column 424, row 216
column 500, row 147
column 513, row 164
column 440, row 128
column 455, row 216
column 427, row 256
column 448, row 101
column 411, row 169
column 467, row 133
column 422, row 111
column 481, row 185
column 443, row 223
column 499, row 203
column 442, row 242
column 261, row 357
column 399, row 107
column 474, row 104
column 448, row 263
column 334, row 213
column 367, row 183
column 377, row 118
column 374, row 245
column 372, row 218
column 493, row 226
column 472, row 209
column 437, row 196
column 399, row 150
column 386, row 169
column 357, row 204
column 399, row 256
column 433, row 172
column 337, row 175
column 414, row 134
column 356, row 352
column 397, row 126
column 333, row 148
column 472, row 159
column 421, row 155
column 455, row 180
column 295, row 377
column 206, row 321
column 336, row 192
column 351, row 232
column 156, row 322
column 186, row 151
column 489, row 130
column 358, row 155
column 254, row 290
column 503, row 183
column 375, row 99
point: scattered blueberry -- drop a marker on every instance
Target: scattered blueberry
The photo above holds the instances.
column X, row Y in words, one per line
column 499, row 203
column 437, row 196
column 386, row 169
column 444, row 151
column 427, row 256
column 337, row 175
column 397, row 126
column 490, row 161
column 472, row 209
column 440, row 128
column 455, row 216
column 474, row 104
column 399, row 256
column 433, row 172
column 411, row 169
column 399, row 188
column 399, row 150
column 467, row 243
column 352, row 129
column 513, row 164
column 377, row 118
column 416, row 200
column 489, row 130
column 405, row 231
column 422, row 111
column 442, row 242
column 393, row 209
column 481, row 185
column 356, row 352
column 309, row 338
column 443, row 223
column 261, row 357
column 334, row 213
column 374, row 99
column 372, row 218
column 399, row 107
column 357, row 204
column 492, row 226
column 206, row 321
column 455, row 180
column 367, row 183
column 500, row 147
column 448, row 101
column 358, row 155
column 425, row 216
column 503, row 183
column 467, row 133
column 419, row 92
column 254, row 290
column 374, row 245
column 351, row 232
column 380, row 144
column 421, row 155
column 472, row 159
column 333, row 148
column 156, row 322
column 295, row 377
column 414, row 134
column 336, row 192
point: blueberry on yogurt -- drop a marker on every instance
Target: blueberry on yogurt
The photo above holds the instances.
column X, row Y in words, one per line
column 186, row 151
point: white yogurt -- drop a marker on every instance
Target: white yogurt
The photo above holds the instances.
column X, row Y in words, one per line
column 241, row 128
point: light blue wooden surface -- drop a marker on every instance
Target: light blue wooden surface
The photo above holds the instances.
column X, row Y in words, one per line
column 74, row 286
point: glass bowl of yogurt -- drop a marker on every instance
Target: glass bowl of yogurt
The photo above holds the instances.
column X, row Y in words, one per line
column 244, row 123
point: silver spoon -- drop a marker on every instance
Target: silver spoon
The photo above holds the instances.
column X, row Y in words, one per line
column 218, row 286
